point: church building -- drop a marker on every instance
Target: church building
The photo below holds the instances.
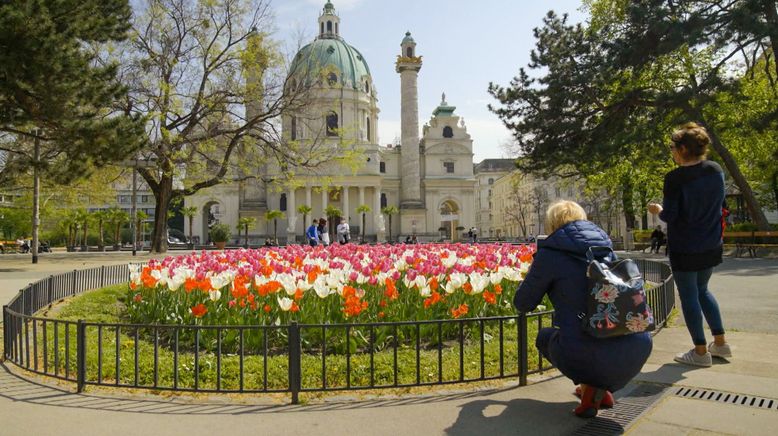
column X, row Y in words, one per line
column 428, row 176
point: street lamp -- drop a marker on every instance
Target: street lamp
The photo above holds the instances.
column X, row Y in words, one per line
column 135, row 164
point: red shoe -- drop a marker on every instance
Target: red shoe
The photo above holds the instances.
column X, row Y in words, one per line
column 607, row 400
column 591, row 400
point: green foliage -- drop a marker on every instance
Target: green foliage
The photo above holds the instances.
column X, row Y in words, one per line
column 53, row 81
column 333, row 212
column 220, row 233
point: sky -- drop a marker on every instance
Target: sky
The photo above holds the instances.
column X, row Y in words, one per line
column 464, row 45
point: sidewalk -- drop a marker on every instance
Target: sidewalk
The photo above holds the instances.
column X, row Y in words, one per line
column 544, row 407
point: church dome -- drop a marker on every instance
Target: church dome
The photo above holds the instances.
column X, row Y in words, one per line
column 329, row 58
column 332, row 55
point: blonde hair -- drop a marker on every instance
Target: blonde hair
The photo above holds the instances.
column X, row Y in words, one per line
column 561, row 213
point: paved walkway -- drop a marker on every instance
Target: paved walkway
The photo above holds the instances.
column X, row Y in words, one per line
column 744, row 287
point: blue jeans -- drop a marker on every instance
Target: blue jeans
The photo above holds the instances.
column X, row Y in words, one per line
column 696, row 301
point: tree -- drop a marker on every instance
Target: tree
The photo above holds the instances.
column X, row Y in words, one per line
column 82, row 218
column 274, row 215
column 99, row 217
column 53, row 90
column 214, row 86
column 333, row 214
column 389, row 211
column 518, row 208
column 363, row 209
column 305, row 210
column 117, row 217
column 244, row 223
column 706, row 36
column 190, row 212
column 140, row 221
column 610, row 92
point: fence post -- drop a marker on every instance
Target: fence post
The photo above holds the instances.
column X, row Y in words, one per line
column 81, row 354
column 73, row 288
column 295, row 370
column 5, row 332
column 523, row 351
column 50, row 290
column 102, row 275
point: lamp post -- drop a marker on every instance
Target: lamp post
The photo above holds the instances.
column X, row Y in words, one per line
column 36, row 190
column 135, row 164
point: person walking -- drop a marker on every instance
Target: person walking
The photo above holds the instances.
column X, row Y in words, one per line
column 600, row 365
column 692, row 207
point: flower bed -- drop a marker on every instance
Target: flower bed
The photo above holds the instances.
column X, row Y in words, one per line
column 335, row 284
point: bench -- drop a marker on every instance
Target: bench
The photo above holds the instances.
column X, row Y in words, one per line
column 9, row 247
column 751, row 242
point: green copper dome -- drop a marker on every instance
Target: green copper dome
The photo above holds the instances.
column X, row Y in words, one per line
column 326, row 54
column 408, row 38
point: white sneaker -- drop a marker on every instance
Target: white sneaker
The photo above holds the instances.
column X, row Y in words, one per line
column 719, row 350
column 692, row 358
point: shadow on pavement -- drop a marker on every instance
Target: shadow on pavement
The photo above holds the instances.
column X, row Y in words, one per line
column 17, row 388
column 519, row 416
column 747, row 267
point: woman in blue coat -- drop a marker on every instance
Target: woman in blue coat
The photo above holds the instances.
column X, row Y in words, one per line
column 600, row 366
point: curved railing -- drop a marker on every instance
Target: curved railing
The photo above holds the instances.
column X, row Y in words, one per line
column 163, row 357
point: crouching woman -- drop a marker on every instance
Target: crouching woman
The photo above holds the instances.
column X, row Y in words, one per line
column 600, row 366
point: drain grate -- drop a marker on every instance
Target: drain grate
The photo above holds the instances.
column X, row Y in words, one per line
column 627, row 409
column 728, row 397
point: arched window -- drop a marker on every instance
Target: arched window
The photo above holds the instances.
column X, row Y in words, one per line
column 282, row 204
column 336, row 28
column 322, row 28
column 367, row 87
column 367, row 121
column 383, row 200
column 491, row 181
column 409, row 52
column 448, row 132
column 329, row 26
column 293, row 128
column 332, row 124
column 332, row 79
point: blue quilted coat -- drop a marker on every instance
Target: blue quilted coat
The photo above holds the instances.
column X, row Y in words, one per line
column 558, row 271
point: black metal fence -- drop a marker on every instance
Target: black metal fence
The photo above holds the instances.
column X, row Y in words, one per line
column 287, row 358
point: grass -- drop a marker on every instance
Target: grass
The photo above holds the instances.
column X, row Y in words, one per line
column 205, row 370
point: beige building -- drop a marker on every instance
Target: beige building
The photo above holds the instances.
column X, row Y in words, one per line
column 428, row 177
column 487, row 172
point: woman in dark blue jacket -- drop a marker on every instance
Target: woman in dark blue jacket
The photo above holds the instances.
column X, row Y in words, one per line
column 692, row 208
column 600, row 366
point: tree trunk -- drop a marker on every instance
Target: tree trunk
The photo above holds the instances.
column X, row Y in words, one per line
column 775, row 188
column 100, row 231
column 191, row 220
column 627, row 203
column 85, row 242
column 162, row 195
column 757, row 215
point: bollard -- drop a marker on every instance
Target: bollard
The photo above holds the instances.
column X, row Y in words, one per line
column 523, row 351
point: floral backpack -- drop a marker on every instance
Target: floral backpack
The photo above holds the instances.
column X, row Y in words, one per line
column 616, row 303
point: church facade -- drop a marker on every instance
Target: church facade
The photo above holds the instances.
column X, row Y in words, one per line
column 428, row 176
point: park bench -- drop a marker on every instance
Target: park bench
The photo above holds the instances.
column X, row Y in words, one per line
column 9, row 246
column 751, row 242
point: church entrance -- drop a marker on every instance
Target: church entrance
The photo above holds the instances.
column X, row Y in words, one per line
column 211, row 215
column 449, row 220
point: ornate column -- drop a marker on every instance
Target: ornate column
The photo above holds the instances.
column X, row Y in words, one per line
column 291, row 212
column 324, row 195
column 346, row 211
column 408, row 66
column 378, row 217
